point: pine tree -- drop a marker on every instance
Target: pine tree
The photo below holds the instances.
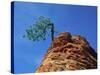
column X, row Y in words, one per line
column 39, row 31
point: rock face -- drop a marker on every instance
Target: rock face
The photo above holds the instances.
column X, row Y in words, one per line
column 68, row 52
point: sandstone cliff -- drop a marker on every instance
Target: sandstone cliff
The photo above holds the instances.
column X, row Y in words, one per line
column 68, row 52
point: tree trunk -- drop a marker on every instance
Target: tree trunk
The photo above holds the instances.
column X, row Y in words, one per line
column 52, row 32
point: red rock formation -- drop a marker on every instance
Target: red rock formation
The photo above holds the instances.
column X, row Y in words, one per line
column 68, row 52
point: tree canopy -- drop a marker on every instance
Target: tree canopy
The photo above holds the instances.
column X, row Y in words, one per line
column 40, row 29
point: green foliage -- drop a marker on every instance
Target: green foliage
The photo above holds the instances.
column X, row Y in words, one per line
column 39, row 30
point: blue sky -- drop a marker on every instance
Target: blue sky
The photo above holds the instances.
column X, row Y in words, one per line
column 72, row 18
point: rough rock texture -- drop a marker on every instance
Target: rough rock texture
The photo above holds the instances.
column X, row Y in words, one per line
column 68, row 52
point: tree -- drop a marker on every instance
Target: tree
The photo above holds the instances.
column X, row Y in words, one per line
column 39, row 31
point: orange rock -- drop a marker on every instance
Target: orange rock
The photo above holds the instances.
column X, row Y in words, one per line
column 69, row 52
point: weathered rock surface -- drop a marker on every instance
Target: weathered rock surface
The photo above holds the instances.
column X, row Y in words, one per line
column 68, row 52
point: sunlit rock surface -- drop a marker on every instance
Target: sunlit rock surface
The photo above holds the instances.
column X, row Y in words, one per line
column 68, row 52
